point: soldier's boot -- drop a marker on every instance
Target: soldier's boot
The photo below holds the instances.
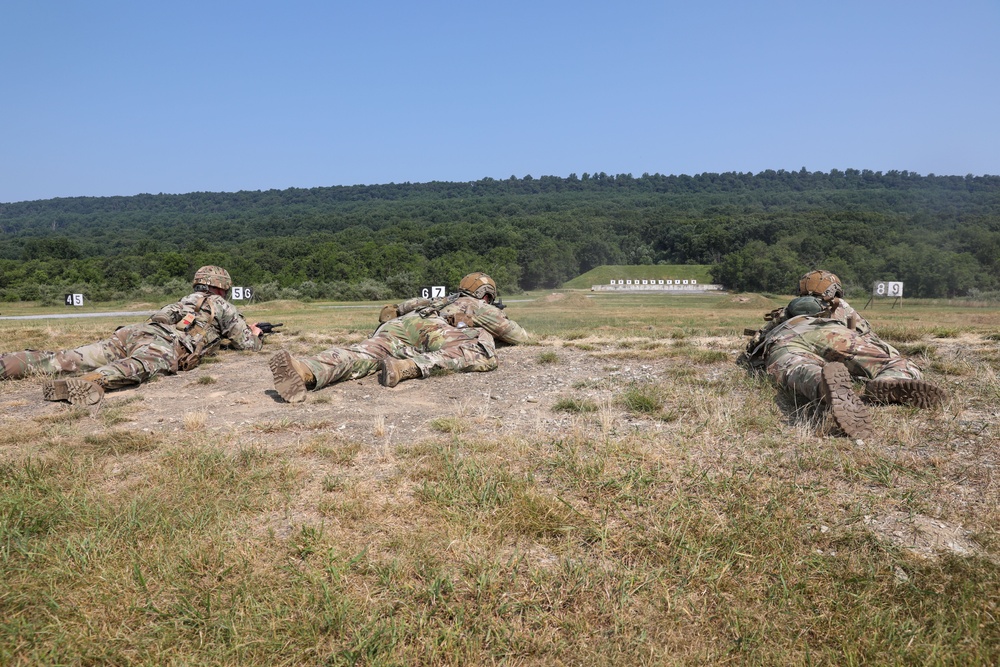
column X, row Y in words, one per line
column 84, row 390
column 918, row 393
column 393, row 371
column 292, row 378
column 850, row 414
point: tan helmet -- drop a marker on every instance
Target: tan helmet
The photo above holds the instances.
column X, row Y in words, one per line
column 823, row 284
column 478, row 284
column 213, row 276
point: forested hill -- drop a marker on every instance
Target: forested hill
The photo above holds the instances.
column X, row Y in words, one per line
column 938, row 234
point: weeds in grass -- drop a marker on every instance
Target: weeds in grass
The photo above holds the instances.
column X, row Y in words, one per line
column 335, row 483
column 341, row 452
column 923, row 349
column 449, row 425
column 206, row 379
column 575, row 405
column 195, row 421
column 379, row 430
column 896, row 333
column 945, row 332
column 548, row 357
column 64, row 416
column 117, row 412
column 946, row 367
column 117, row 443
column 642, row 399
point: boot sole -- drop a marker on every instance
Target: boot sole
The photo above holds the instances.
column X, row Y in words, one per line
column 386, row 377
column 83, row 392
column 850, row 414
column 55, row 390
column 916, row 393
column 287, row 382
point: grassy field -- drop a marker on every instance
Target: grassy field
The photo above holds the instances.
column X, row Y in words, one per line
column 689, row 515
column 603, row 275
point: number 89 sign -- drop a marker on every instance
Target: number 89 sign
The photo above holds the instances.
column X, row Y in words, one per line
column 888, row 289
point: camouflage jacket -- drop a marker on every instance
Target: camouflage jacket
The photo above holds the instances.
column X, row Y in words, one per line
column 475, row 312
column 203, row 321
column 837, row 311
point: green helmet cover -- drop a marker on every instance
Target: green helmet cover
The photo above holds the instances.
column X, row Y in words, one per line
column 804, row 305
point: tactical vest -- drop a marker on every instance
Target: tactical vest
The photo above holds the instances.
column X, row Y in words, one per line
column 191, row 345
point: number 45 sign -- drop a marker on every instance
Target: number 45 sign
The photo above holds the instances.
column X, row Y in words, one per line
column 888, row 289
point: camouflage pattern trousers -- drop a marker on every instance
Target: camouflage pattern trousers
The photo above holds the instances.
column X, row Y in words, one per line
column 429, row 341
column 796, row 363
column 132, row 355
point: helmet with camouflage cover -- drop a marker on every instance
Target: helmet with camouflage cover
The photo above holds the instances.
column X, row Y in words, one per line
column 479, row 285
column 804, row 305
column 213, row 276
column 823, row 284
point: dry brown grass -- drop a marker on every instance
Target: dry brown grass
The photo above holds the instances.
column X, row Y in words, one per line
column 689, row 514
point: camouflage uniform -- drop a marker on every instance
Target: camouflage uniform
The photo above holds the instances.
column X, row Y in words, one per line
column 836, row 309
column 457, row 333
column 176, row 337
column 795, row 350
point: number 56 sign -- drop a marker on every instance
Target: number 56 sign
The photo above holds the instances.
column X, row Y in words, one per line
column 887, row 289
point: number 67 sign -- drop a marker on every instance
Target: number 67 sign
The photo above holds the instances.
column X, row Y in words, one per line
column 885, row 288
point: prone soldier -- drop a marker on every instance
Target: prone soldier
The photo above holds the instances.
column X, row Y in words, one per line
column 458, row 332
column 174, row 338
column 816, row 344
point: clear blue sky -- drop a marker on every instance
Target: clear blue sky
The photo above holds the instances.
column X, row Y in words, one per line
column 102, row 98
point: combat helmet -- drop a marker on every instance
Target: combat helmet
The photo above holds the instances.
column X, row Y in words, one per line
column 478, row 285
column 804, row 305
column 823, row 284
column 213, row 276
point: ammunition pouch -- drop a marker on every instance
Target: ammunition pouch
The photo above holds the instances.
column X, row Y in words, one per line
column 389, row 312
column 460, row 320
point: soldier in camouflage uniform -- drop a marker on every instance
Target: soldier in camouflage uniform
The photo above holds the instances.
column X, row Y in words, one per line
column 817, row 344
column 175, row 338
column 457, row 333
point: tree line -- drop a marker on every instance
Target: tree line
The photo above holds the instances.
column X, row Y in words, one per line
column 758, row 232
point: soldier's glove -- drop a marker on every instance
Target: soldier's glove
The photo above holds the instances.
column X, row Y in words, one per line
column 460, row 320
column 389, row 312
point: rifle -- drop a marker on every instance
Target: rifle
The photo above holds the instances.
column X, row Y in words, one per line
column 268, row 328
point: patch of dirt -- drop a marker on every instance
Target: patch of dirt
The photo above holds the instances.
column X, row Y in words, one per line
column 232, row 401
column 922, row 535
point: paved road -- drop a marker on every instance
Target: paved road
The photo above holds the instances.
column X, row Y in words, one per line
column 66, row 316
column 147, row 313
